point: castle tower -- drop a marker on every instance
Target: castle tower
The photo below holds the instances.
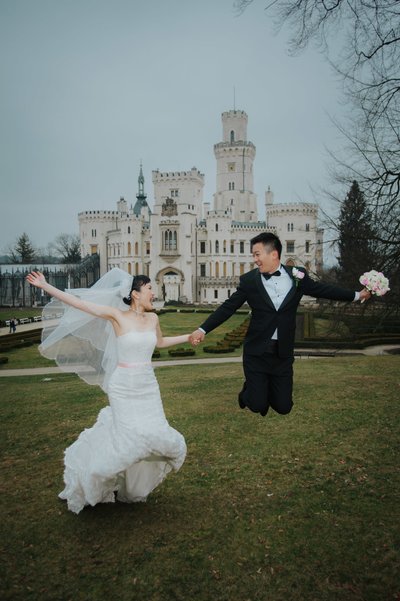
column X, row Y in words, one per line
column 235, row 155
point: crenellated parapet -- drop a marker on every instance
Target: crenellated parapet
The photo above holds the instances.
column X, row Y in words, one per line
column 301, row 208
column 177, row 176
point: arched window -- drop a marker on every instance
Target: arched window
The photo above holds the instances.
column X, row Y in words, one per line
column 129, row 229
column 136, row 248
column 129, row 250
column 224, row 247
column 129, row 269
column 217, row 269
column 216, row 227
column 170, row 240
column 216, row 247
column 232, row 136
column 224, row 269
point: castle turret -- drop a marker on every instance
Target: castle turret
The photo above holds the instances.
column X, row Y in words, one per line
column 235, row 156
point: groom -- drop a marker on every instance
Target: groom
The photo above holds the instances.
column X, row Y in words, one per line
column 273, row 292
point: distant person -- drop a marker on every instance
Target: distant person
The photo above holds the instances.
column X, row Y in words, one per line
column 273, row 291
column 13, row 325
column 131, row 447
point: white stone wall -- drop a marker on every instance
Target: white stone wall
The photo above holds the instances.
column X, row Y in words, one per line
column 297, row 227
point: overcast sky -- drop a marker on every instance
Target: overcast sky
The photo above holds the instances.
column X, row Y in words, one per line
column 91, row 87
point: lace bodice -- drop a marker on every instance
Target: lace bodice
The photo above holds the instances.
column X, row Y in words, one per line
column 136, row 347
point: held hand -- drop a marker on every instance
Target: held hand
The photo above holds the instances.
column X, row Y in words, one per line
column 196, row 337
column 36, row 278
column 364, row 295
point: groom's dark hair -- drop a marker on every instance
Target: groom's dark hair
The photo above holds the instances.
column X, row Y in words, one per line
column 269, row 240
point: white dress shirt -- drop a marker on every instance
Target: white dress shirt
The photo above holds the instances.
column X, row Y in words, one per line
column 277, row 288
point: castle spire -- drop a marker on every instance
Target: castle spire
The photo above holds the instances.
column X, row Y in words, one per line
column 141, row 195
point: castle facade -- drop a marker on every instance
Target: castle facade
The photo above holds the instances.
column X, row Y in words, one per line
column 193, row 250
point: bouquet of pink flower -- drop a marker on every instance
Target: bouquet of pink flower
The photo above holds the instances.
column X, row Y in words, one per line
column 375, row 282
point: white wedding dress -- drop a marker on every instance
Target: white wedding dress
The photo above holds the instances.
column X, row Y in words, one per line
column 131, row 447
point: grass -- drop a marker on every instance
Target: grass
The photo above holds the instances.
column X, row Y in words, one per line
column 172, row 324
column 19, row 312
column 302, row 507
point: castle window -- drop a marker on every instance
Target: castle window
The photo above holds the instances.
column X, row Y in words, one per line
column 174, row 193
column 232, row 247
column 202, row 248
column 290, row 246
column 215, row 293
column 129, row 229
column 170, row 240
column 216, row 227
column 242, row 267
column 224, row 247
column 224, row 270
column 307, row 246
column 290, row 227
column 307, row 227
column 232, row 136
column 129, row 249
column 217, row 269
column 241, row 246
column 216, row 247
column 136, row 248
column 147, row 248
column 229, row 293
column 231, row 186
column 202, row 270
column 93, row 233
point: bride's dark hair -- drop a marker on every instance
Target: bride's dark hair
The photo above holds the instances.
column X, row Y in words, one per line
column 137, row 282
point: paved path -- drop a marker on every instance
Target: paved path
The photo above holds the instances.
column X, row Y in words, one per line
column 305, row 354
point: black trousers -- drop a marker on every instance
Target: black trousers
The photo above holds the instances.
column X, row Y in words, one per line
column 269, row 382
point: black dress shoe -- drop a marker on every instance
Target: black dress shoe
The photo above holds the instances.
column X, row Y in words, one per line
column 241, row 402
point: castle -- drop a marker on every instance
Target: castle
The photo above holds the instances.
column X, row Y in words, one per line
column 190, row 250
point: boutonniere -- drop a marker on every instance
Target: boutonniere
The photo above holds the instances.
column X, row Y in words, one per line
column 298, row 275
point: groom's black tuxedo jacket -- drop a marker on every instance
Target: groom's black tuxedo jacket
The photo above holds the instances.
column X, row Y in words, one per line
column 264, row 317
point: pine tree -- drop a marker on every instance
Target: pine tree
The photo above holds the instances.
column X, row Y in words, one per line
column 355, row 229
column 23, row 251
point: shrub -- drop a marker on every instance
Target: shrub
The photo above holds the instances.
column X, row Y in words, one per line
column 181, row 352
column 218, row 349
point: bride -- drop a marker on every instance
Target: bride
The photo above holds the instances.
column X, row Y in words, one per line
column 131, row 447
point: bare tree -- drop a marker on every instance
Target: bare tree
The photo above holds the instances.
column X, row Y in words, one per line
column 367, row 33
column 68, row 247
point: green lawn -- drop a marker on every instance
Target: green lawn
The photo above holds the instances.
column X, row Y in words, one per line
column 302, row 507
column 172, row 324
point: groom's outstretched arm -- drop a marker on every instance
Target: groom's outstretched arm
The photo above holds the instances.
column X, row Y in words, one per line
column 225, row 311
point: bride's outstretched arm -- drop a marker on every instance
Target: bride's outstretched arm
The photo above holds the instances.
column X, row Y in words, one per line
column 165, row 341
column 36, row 278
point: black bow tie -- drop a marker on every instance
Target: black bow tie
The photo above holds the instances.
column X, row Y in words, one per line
column 269, row 275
